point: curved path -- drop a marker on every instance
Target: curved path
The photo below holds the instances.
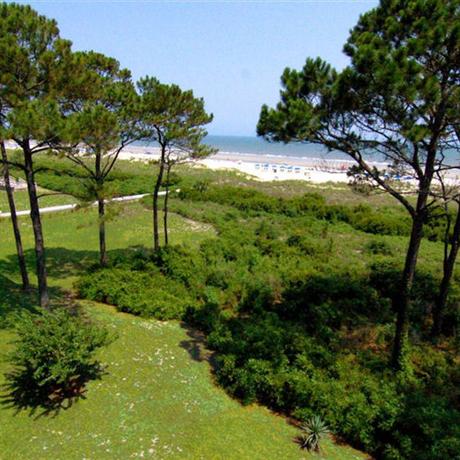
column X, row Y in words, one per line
column 67, row 207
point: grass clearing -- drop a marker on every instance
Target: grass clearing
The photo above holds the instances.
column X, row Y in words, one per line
column 21, row 199
column 157, row 400
column 72, row 240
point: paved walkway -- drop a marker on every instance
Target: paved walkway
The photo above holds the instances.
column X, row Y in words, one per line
column 67, row 207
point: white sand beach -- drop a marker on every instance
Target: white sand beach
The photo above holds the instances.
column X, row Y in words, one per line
column 261, row 167
column 271, row 167
column 280, row 168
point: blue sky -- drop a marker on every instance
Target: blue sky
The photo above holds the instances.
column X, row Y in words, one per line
column 230, row 53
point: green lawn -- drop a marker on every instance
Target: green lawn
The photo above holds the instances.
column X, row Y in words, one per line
column 157, row 398
column 21, row 199
column 71, row 238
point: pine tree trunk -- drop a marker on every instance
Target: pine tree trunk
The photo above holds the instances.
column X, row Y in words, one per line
column 14, row 221
column 401, row 301
column 448, row 270
column 101, row 209
column 102, row 245
column 165, row 206
column 37, row 228
column 156, row 190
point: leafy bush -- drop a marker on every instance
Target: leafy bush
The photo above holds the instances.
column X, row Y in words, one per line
column 379, row 247
column 379, row 223
column 141, row 293
column 254, row 202
column 385, row 278
column 323, row 302
column 55, row 351
column 61, row 175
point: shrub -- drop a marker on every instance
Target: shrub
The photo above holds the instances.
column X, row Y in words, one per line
column 252, row 201
column 385, row 277
column 328, row 301
column 142, row 293
column 55, row 351
column 379, row 247
column 313, row 431
column 297, row 319
column 380, row 223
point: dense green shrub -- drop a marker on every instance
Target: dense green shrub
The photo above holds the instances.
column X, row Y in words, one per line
column 326, row 302
column 385, row 278
column 379, row 247
column 142, row 293
column 270, row 360
column 379, row 223
column 252, row 201
column 61, row 175
column 55, row 351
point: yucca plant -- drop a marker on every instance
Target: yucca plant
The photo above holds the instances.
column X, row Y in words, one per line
column 313, row 431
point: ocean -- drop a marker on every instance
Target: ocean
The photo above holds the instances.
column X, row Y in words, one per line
column 276, row 151
column 258, row 146
column 247, row 145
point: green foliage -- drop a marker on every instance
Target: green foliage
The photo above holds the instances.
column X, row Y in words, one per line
column 101, row 120
column 56, row 350
column 313, row 431
column 174, row 118
column 61, row 175
column 385, row 276
column 142, row 293
column 274, row 363
column 34, row 67
column 254, row 202
column 383, row 103
column 158, row 369
column 379, row 247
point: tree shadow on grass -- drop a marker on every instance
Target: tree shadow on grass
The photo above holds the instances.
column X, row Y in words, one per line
column 20, row 394
column 195, row 345
column 14, row 300
column 61, row 263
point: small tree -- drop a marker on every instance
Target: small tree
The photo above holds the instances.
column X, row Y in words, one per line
column 174, row 119
column 398, row 98
column 54, row 353
column 100, row 122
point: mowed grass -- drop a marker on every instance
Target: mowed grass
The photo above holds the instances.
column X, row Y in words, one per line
column 157, row 398
column 21, row 199
column 72, row 243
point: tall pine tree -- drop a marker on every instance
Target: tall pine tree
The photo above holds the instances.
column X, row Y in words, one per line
column 398, row 98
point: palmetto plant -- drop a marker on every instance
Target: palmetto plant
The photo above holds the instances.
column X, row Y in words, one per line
column 313, row 430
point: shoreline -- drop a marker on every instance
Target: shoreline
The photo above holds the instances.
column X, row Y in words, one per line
column 261, row 167
column 270, row 167
column 266, row 167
